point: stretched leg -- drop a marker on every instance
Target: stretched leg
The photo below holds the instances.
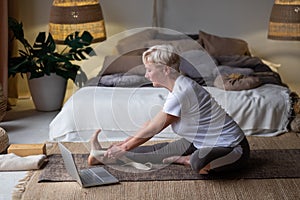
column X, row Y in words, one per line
column 157, row 152
column 217, row 159
column 185, row 160
column 96, row 156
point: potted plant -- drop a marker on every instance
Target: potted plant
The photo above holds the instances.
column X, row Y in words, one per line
column 43, row 64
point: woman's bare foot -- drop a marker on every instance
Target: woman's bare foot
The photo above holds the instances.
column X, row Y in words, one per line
column 185, row 160
column 205, row 170
column 94, row 161
column 96, row 156
column 95, row 145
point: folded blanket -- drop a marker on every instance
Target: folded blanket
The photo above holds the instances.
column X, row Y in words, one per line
column 12, row 162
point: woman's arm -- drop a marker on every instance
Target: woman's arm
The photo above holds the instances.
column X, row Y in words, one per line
column 153, row 127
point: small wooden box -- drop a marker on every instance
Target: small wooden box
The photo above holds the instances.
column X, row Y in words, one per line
column 27, row 149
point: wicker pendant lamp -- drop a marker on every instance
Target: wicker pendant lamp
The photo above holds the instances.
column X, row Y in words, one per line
column 68, row 16
column 285, row 20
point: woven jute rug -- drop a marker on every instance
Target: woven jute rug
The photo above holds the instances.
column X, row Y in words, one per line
column 263, row 164
column 246, row 189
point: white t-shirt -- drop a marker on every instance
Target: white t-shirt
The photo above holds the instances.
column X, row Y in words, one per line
column 202, row 120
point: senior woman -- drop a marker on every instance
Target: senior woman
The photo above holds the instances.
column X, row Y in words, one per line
column 210, row 139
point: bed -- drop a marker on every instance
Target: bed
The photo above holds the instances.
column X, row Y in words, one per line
column 118, row 99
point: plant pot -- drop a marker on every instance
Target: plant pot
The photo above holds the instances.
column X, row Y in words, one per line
column 48, row 92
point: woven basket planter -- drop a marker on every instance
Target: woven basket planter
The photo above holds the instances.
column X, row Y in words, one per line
column 4, row 141
column 3, row 104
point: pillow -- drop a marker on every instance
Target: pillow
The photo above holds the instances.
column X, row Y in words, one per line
column 123, row 64
column 218, row 46
column 181, row 45
column 176, row 36
column 197, row 63
column 236, row 82
column 169, row 36
column 123, row 80
column 269, row 78
column 225, row 70
column 134, row 44
column 254, row 63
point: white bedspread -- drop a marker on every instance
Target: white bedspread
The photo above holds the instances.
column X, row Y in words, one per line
column 119, row 112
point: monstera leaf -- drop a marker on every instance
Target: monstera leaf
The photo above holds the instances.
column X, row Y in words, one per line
column 43, row 59
column 79, row 45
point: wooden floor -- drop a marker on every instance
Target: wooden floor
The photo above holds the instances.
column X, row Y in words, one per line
column 248, row 189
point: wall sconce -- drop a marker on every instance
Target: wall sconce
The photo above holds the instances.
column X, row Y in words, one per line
column 285, row 20
column 68, row 16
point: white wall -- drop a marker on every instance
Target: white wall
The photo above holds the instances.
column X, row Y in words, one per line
column 244, row 19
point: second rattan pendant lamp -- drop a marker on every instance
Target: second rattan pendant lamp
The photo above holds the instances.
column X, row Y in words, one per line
column 285, row 20
column 68, row 16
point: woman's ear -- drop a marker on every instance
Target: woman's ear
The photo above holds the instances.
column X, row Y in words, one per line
column 167, row 70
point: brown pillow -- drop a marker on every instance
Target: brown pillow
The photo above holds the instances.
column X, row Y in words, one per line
column 236, row 82
column 220, row 46
column 123, row 64
column 134, row 44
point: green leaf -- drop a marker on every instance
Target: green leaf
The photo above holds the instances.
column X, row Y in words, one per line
column 43, row 45
column 18, row 33
column 16, row 27
column 87, row 37
column 42, row 59
column 75, row 41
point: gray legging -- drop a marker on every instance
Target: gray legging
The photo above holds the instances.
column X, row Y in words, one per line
column 220, row 158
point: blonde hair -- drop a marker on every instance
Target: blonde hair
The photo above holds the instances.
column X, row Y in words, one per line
column 162, row 54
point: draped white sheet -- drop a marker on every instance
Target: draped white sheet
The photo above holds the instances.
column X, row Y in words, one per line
column 119, row 112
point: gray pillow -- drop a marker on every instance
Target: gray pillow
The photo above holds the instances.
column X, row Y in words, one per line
column 123, row 80
column 197, row 63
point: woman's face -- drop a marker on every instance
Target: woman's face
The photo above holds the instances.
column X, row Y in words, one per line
column 155, row 73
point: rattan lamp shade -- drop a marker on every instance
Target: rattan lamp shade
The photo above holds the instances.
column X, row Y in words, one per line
column 285, row 20
column 68, row 16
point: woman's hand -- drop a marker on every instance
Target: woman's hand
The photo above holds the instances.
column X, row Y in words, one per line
column 115, row 151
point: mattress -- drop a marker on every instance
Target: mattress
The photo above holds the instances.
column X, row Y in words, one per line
column 119, row 112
